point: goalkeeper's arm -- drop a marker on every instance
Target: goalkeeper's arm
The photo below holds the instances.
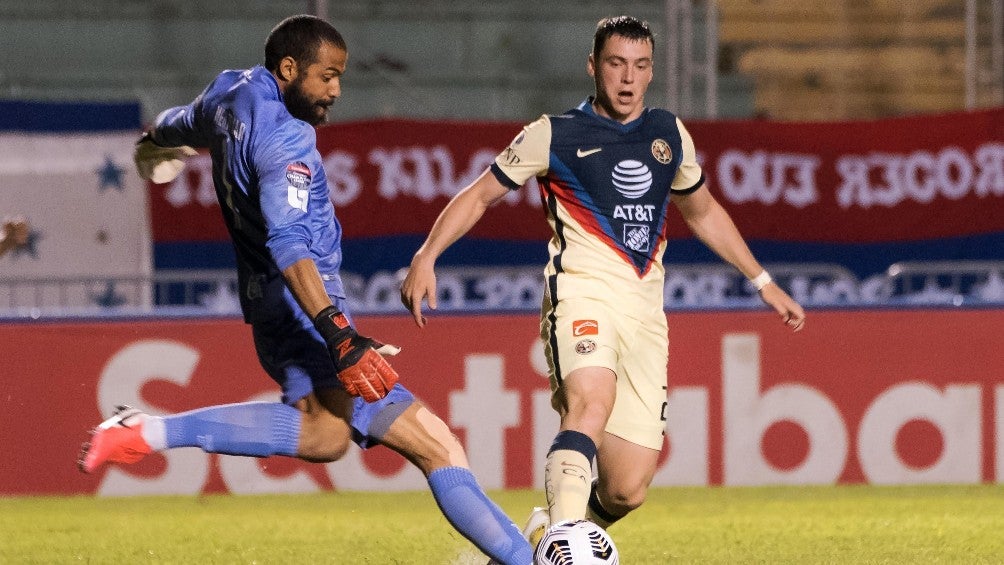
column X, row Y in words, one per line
column 157, row 163
column 160, row 151
column 358, row 359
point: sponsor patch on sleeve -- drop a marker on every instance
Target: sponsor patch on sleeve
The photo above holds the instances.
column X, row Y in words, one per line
column 298, row 175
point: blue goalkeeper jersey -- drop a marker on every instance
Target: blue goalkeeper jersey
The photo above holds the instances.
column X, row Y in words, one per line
column 269, row 181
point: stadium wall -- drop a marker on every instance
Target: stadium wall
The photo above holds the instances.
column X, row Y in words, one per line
column 861, row 396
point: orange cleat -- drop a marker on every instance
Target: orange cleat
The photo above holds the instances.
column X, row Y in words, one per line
column 118, row 439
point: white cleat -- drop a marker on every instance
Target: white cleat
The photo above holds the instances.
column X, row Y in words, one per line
column 536, row 525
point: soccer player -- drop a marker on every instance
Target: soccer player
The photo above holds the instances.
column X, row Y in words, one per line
column 14, row 234
column 336, row 385
column 608, row 171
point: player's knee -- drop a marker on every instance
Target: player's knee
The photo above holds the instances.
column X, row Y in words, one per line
column 443, row 448
column 588, row 416
column 325, row 451
column 589, row 411
column 323, row 440
column 621, row 499
column 425, row 440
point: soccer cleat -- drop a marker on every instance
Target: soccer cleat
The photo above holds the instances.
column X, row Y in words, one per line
column 533, row 532
column 116, row 440
column 536, row 526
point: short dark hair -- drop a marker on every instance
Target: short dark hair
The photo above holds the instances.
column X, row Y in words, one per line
column 625, row 26
column 299, row 37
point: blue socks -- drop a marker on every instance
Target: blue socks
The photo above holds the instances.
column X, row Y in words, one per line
column 256, row 429
column 260, row 429
column 474, row 515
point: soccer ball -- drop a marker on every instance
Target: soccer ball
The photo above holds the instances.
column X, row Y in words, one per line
column 575, row 542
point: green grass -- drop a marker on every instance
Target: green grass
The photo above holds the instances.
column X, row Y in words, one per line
column 849, row 524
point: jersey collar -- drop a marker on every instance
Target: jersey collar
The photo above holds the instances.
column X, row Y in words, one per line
column 586, row 107
column 268, row 79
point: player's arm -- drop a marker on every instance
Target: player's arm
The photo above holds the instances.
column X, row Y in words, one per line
column 456, row 219
column 305, row 283
column 358, row 360
column 161, row 150
column 712, row 225
column 361, row 366
column 526, row 156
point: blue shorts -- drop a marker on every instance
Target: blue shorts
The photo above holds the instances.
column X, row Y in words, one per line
column 295, row 356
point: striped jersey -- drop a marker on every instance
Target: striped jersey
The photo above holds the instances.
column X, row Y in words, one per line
column 606, row 188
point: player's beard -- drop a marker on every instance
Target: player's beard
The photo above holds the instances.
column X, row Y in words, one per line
column 303, row 108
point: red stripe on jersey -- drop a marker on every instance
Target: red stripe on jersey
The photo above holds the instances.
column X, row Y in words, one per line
column 566, row 196
column 298, row 168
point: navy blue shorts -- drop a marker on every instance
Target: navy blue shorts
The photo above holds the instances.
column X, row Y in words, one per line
column 296, row 357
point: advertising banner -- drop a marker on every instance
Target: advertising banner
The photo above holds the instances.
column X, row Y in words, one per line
column 877, row 397
column 861, row 194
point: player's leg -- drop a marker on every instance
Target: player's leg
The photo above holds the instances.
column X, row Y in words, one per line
column 256, row 429
column 624, row 473
column 253, row 429
column 581, row 347
column 585, row 400
column 297, row 359
column 425, row 440
column 311, row 423
column 628, row 456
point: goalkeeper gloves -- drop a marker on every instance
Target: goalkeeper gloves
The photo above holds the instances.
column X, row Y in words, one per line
column 359, row 360
column 157, row 163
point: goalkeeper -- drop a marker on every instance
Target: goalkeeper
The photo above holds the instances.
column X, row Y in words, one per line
column 336, row 384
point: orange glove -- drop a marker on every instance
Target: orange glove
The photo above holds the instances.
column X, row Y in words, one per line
column 361, row 367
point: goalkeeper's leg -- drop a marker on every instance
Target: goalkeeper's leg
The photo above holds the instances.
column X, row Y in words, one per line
column 425, row 440
column 256, row 429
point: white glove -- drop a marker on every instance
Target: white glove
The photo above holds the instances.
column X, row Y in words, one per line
column 159, row 164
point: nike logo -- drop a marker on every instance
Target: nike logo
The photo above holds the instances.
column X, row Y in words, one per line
column 573, row 470
column 580, row 153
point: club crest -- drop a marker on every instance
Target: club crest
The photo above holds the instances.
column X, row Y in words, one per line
column 661, row 151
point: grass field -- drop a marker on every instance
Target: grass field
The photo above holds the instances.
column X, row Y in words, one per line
column 847, row 524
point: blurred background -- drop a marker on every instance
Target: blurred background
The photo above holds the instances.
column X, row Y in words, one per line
column 511, row 60
column 79, row 80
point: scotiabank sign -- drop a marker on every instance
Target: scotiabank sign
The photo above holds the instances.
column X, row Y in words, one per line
column 882, row 397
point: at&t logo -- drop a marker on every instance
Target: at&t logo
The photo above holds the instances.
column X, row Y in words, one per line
column 632, row 178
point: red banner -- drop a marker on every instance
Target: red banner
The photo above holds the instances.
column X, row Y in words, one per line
column 891, row 180
column 859, row 397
